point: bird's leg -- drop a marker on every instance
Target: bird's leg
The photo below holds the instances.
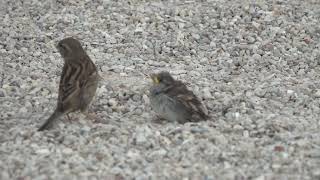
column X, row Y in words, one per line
column 71, row 118
column 92, row 116
column 68, row 117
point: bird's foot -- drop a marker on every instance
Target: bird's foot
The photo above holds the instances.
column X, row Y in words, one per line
column 93, row 117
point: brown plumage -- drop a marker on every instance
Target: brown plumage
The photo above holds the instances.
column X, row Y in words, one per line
column 78, row 83
column 172, row 100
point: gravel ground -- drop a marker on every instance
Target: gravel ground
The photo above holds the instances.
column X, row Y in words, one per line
column 254, row 63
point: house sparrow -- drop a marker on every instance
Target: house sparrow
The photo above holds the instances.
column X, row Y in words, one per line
column 78, row 83
column 171, row 100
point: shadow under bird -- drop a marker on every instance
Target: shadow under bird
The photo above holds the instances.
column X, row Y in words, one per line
column 172, row 100
column 78, row 83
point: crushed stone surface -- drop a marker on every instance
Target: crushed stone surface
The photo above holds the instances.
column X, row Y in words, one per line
column 255, row 64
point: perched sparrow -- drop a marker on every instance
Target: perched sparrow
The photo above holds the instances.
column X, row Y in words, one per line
column 171, row 100
column 78, row 83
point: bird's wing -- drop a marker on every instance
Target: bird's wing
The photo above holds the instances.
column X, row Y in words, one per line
column 88, row 84
column 69, row 85
column 75, row 76
column 187, row 98
column 91, row 69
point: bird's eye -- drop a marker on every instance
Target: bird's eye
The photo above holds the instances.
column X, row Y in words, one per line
column 62, row 46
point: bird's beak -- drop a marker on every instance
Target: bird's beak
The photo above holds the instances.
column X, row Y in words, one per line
column 155, row 79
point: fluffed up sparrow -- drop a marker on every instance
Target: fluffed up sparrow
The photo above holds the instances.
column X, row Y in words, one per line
column 171, row 100
column 78, row 83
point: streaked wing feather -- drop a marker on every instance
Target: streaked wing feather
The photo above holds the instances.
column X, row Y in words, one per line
column 89, row 85
column 68, row 91
column 180, row 92
column 90, row 72
column 71, row 80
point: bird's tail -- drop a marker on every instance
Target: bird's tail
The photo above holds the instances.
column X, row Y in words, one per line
column 49, row 122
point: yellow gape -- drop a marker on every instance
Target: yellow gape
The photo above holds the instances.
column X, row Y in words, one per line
column 156, row 80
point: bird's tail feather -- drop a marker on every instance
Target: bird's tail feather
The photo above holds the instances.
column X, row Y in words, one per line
column 49, row 122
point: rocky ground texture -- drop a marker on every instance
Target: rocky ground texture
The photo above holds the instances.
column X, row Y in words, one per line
column 255, row 64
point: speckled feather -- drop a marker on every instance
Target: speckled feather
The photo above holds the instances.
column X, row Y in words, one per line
column 78, row 82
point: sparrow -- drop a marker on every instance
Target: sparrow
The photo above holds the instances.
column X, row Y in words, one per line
column 78, row 82
column 172, row 100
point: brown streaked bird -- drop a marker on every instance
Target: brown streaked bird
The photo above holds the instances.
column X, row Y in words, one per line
column 172, row 100
column 78, row 83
